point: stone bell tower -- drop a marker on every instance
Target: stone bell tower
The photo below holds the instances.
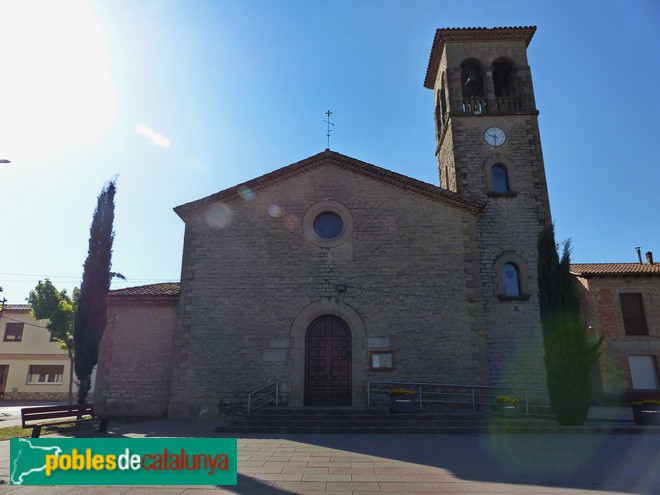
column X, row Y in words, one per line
column 489, row 150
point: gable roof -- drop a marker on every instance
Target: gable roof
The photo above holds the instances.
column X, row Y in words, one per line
column 587, row 270
column 18, row 308
column 340, row 161
column 465, row 35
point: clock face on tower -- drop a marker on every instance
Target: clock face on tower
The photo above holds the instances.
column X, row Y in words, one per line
column 495, row 136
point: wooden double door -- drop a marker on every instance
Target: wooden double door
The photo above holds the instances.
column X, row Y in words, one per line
column 328, row 363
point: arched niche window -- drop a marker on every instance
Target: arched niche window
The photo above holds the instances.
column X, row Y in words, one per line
column 511, row 280
column 500, row 179
column 438, row 115
column 499, row 173
column 504, row 84
column 443, row 102
column 472, row 87
column 509, row 276
column 504, row 79
column 440, row 110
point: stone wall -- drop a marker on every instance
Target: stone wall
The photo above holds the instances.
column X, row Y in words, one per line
column 250, row 270
column 508, row 226
column 135, row 358
column 602, row 309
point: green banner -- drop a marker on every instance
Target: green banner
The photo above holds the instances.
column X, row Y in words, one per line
column 122, row 461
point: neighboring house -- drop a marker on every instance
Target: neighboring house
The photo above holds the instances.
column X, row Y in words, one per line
column 621, row 301
column 32, row 367
column 331, row 272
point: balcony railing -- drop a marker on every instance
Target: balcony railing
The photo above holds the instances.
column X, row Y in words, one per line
column 508, row 104
column 474, row 105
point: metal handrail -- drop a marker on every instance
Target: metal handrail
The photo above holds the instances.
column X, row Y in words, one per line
column 255, row 401
column 433, row 394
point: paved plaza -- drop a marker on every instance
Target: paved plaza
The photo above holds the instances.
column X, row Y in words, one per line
column 394, row 464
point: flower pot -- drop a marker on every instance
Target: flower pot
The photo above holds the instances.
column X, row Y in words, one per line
column 509, row 410
column 402, row 404
column 646, row 415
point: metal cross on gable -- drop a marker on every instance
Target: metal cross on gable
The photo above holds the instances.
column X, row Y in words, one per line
column 329, row 113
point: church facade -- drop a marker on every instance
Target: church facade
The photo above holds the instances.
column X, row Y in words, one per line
column 332, row 272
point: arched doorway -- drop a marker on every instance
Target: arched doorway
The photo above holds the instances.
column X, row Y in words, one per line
column 328, row 363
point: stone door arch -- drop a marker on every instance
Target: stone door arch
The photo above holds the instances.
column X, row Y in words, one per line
column 328, row 363
column 328, row 306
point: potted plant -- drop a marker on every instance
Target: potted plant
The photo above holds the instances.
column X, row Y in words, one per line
column 507, row 405
column 646, row 411
column 402, row 400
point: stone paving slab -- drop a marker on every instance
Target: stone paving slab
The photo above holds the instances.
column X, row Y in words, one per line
column 412, row 464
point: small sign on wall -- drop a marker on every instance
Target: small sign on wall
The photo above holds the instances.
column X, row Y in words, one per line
column 381, row 360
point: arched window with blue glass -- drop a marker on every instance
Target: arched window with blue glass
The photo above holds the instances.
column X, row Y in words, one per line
column 511, row 280
column 500, row 178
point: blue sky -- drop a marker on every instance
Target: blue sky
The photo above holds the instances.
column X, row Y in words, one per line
column 182, row 99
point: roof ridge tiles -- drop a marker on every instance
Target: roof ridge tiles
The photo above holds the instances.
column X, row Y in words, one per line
column 344, row 162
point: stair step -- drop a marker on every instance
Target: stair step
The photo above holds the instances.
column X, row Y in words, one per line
column 352, row 420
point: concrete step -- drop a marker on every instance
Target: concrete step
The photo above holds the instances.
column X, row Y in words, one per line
column 289, row 420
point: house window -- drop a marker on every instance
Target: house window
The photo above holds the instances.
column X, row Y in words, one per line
column 45, row 373
column 14, row 332
column 634, row 318
column 643, row 372
column 510, row 280
column 52, row 337
column 500, row 178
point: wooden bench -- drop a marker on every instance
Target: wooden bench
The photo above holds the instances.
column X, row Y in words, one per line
column 36, row 417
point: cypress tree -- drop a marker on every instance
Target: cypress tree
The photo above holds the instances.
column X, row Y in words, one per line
column 91, row 312
column 569, row 355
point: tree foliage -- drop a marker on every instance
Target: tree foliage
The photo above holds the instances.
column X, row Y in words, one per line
column 91, row 311
column 570, row 356
column 58, row 308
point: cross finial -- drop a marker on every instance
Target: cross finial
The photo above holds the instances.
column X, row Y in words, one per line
column 328, row 113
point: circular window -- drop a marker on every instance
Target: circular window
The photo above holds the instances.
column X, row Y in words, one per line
column 327, row 223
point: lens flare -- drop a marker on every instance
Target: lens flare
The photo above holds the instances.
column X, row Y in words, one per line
column 219, row 216
column 291, row 222
column 246, row 193
column 275, row 211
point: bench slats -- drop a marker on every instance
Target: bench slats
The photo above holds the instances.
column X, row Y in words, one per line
column 67, row 413
column 31, row 414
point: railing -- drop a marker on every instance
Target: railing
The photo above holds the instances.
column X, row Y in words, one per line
column 268, row 394
column 475, row 105
column 481, row 105
column 508, row 104
column 476, row 398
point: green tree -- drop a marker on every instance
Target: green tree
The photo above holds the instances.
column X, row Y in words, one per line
column 91, row 311
column 58, row 308
column 570, row 355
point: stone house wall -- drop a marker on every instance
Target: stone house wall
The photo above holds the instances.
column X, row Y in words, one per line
column 601, row 308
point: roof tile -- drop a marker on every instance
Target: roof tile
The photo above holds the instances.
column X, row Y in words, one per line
column 605, row 269
column 19, row 308
column 343, row 162
column 166, row 289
